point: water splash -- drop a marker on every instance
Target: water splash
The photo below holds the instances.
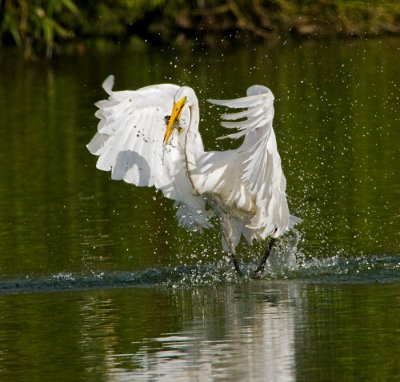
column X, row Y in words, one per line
column 359, row 269
column 335, row 269
column 286, row 262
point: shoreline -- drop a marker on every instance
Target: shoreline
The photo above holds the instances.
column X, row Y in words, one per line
column 226, row 22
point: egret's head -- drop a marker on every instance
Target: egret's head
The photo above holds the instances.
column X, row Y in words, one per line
column 175, row 117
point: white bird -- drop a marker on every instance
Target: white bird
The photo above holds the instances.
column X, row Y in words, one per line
column 150, row 137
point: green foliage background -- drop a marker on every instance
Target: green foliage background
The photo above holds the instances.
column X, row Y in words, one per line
column 49, row 26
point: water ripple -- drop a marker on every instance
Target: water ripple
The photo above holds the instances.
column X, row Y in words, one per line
column 363, row 269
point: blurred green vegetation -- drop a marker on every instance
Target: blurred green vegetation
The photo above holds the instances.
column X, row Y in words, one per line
column 51, row 26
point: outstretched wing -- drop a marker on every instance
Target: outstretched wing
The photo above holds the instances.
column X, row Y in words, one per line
column 129, row 143
column 258, row 159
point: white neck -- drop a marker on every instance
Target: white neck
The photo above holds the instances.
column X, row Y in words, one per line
column 193, row 143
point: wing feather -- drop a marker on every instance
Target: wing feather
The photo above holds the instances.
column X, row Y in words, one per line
column 130, row 133
column 256, row 110
column 238, row 103
column 261, row 170
column 129, row 143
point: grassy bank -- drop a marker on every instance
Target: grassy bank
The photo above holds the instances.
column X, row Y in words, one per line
column 45, row 27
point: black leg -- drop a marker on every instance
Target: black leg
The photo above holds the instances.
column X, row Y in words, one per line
column 261, row 266
column 236, row 264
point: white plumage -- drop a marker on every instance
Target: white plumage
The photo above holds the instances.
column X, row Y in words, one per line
column 150, row 137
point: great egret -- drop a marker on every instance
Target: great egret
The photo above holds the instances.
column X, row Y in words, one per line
column 150, row 137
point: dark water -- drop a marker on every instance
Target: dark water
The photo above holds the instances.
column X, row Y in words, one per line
column 263, row 331
column 98, row 282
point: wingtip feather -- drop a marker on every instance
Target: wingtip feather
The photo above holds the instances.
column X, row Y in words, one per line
column 258, row 90
column 108, row 84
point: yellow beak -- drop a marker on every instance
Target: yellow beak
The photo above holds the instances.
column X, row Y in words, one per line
column 175, row 116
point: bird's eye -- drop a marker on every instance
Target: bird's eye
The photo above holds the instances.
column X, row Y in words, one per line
column 166, row 119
